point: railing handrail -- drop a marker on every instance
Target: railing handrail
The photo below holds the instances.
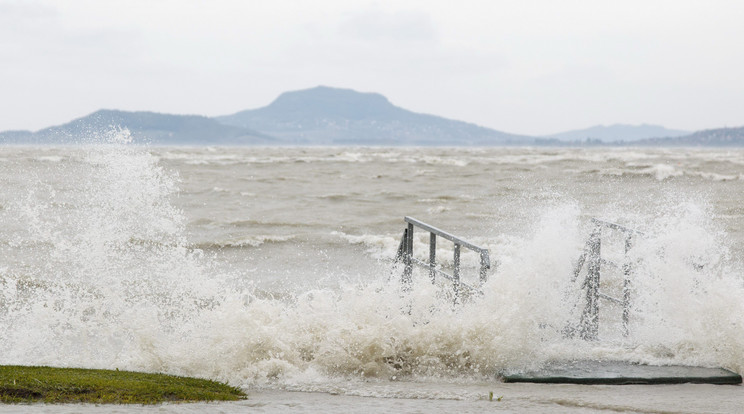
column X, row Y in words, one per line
column 616, row 226
column 405, row 252
column 448, row 236
column 592, row 256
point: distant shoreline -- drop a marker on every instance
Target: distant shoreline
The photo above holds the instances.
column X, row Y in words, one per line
column 325, row 116
column 289, row 145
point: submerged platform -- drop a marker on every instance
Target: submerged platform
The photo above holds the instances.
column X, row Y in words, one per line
column 619, row 372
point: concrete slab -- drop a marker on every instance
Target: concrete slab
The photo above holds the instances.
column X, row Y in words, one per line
column 620, row 372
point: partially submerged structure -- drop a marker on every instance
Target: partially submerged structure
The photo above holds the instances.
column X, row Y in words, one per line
column 589, row 266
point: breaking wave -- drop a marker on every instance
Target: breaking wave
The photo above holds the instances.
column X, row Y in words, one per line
column 120, row 287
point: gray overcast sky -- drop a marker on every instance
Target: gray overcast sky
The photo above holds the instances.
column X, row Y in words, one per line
column 529, row 67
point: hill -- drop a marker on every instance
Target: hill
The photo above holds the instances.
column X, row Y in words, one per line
column 324, row 116
column 721, row 137
column 333, row 116
column 150, row 127
column 618, row 133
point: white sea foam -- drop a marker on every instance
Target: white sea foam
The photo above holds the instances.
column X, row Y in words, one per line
column 660, row 171
column 716, row 177
column 202, row 158
column 255, row 241
column 456, row 162
column 50, row 158
column 377, row 246
column 102, row 299
column 437, row 209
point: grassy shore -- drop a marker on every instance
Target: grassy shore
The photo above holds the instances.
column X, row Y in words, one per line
column 21, row 384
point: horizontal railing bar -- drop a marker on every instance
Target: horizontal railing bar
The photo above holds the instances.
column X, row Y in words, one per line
column 616, row 226
column 447, row 276
column 610, row 263
column 445, row 235
column 611, row 299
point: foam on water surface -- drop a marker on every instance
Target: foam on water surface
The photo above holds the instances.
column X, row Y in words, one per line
column 105, row 276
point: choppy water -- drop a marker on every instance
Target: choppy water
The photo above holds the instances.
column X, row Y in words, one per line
column 270, row 268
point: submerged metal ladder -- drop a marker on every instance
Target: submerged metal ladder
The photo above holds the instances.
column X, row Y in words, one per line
column 405, row 254
column 588, row 327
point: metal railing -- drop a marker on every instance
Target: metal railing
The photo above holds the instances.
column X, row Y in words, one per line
column 405, row 254
column 588, row 327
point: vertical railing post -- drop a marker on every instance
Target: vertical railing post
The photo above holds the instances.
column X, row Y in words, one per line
column 405, row 255
column 407, row 258
column 627, row 269
column 456, row 272
column 590, row 317
column 432, row 257
column 484, row 263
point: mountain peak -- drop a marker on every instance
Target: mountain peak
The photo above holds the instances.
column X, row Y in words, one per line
column 330, row 93
column 326, row 115
column 331, row 102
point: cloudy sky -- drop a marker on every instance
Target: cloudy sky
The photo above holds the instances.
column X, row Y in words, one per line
column 521, row 66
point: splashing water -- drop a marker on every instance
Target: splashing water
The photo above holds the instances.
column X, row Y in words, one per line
column 120, row 287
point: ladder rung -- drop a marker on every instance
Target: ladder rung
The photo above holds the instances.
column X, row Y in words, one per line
column 610, row 263
column 611, row 299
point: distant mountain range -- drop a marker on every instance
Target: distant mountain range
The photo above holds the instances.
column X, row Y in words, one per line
column 150, row 127
column 618, row 132
column 721, row 137
column 332, row 116
column 324, row 116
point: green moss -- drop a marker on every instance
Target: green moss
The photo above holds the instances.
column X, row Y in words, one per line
column 21, row 384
